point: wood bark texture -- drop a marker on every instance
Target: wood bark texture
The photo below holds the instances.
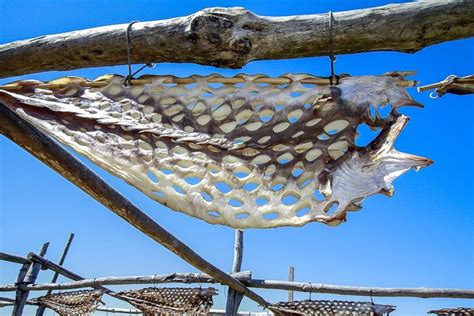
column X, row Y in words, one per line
column 184, row 278
column 13, row 258
column 41, row 308
column 232, row 37
column 28, row 278
column 53, row 155
column 234, row 298
column 245, row 277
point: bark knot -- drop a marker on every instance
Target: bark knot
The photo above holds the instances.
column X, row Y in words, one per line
column 241, row 45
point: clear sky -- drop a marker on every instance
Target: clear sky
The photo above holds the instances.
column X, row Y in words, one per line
column 423, row 236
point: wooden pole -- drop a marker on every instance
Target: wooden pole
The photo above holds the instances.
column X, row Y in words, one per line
column 184, row 278
column 245, row 277
column 27, row 278
column 41, row 308
column 232, row 37
column 13, row 258
column 291, row 278
column 52, row 154
column 361, row 291
column 234, row 298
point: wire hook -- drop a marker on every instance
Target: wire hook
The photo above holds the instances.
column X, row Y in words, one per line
column 332, row 58
column 128, row 79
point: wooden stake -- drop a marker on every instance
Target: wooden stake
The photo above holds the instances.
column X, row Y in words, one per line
column 28, row 277
column 291, row 278
column 41, row 308
column 234, row 298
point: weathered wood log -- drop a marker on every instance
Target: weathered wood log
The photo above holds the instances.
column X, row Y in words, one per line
column 231, row 37
column 49, row 152
column 245, row 277
column 184, row 278
column 363, row 291
column 234, row 298
column 13, row 258
column 41, row 308
column 28, row 278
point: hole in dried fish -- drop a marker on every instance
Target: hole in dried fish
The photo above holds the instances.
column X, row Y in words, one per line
column 235, row 202
column 365, row 135
column 214, row 213
column 278, row 187
column 152, row 176
column 242, row 215
column 241, row 174
column 223, row 187
column 305, row 183
column 331, row 209
column 250, row 186
column 261, row 200
column 159, row 194
column 193, row 180
column 290, row 199
column 206, row 196
column 296, row 172
column 296, row 94
column 167, row 171
column 385, row 110
column 318, row 196
column 302, row 211
column 271, row 216
column 215, row 85
column 178, row 189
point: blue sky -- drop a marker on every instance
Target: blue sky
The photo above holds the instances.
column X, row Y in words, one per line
column 420, row 237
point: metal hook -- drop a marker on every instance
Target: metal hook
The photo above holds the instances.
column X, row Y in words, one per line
column 332, row 58
column 128, row 79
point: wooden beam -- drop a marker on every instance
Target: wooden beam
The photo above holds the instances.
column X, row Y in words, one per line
column 184, row 278
column 245, row 277
column 232, row 37
column 28, row 278
column 52, row 154
column 234, row 298
column 13, row 258
column 41, row 308
column 362, row 291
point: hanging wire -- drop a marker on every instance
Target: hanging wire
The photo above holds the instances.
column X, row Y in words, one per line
column 332, row 58
column 439, row 92
column 128, row 79
column 310, row 291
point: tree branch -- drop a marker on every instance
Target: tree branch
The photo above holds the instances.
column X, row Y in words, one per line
column 232, row 37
